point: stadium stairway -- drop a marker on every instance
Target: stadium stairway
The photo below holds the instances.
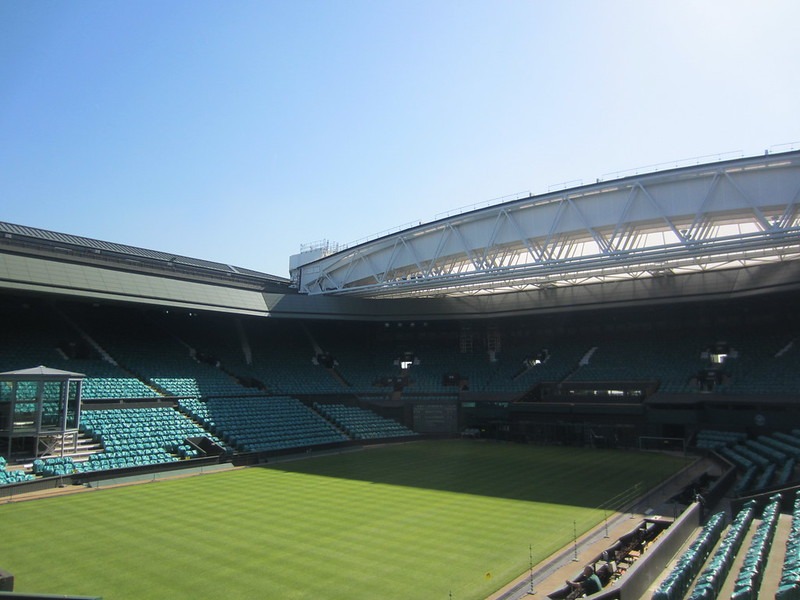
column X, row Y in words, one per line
column 771, row 572
column 78, row 450
column 85, row 336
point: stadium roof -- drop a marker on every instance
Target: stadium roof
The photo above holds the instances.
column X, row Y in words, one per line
column 715, row 231
column 46, row 262
column 695, row 219
column 21, row 237
column 40, row 372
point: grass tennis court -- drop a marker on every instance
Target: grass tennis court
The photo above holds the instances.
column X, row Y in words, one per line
column 413, row 521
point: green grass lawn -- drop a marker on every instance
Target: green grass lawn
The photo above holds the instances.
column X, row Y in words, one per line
column 413, row 521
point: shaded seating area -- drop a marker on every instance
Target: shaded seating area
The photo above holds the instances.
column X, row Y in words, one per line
column 789, row 439
column 274, row 358
column 770, row 366
column 207, row 381
column 777, row 444
column 261, row 424
column 786, row 472
column 712, row 439
column 746, row 481
column 752, row 456
column 672, row 361
column 362, row 424
column 766, row 461
column 153, row 355
column 110, row 388
column 772, row 454
column 179, row 386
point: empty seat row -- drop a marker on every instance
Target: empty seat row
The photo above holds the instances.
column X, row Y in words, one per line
column 13, row 476
column 53, row 466
column 745, row 482
column 787, row 438
column 140, row 436
column 767, row 451
column 786, row 472
column 713, row 439
column 751, row 455
column 766, row 477
column 362, row 424
column 748, row 581
column 677, row 582
column 710, row 581
column 258, row 424
column 95, row 388
column 774, row 442
column 736, row 458
column 103, row 461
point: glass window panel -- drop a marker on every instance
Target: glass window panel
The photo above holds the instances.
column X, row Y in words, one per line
column 6, row 393
column 72, row 404
column 51, row 405
column 25, row 406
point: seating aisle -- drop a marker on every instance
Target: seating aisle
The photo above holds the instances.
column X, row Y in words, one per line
column 772, row 573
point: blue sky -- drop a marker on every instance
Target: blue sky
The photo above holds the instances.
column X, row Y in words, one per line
column 236, row 131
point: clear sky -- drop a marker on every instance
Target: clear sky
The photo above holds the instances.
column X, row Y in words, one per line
column 236, row 131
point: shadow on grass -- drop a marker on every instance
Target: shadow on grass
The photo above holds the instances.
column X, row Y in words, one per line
column 576, row 476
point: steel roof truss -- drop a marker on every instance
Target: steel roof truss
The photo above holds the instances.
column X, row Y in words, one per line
column 326, row 276
column 399, row 246
column 762, row 220
column 662, row 215
column 433, row 269
column 547, row 245
column 601, row 242
column 622, row 223
column 789, row 213
column 524, row 240
column 361, row 258
column 631, row 238
column 701, row 220
column 487, row 249
column 466, row 248
column 380, row 277
column 414, row 256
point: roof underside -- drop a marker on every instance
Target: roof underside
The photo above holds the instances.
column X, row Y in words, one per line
column 726, row 215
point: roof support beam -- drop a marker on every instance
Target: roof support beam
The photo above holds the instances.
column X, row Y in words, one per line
column 688, row 216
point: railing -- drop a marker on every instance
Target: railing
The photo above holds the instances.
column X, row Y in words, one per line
column 675, row 164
